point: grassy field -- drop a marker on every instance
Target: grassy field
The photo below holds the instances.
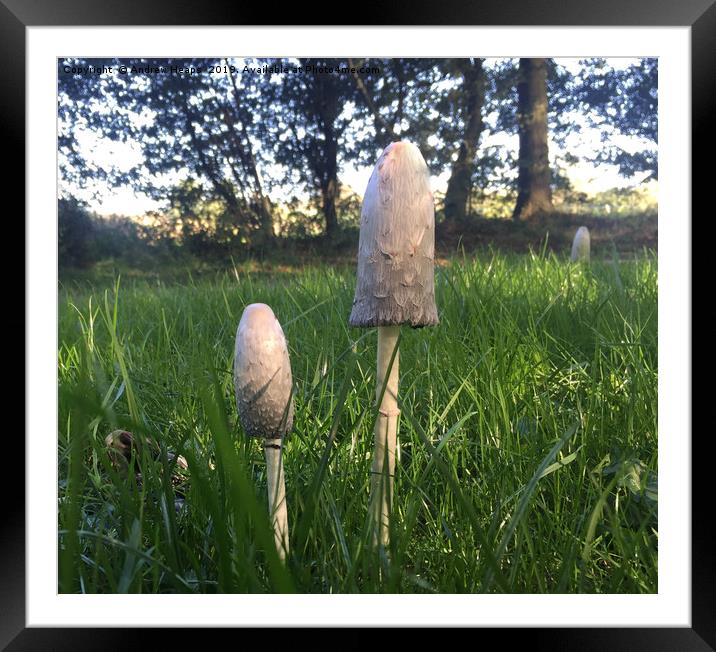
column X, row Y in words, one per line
column 528, row 434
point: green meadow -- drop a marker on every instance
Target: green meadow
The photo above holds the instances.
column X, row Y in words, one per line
column 527, row 435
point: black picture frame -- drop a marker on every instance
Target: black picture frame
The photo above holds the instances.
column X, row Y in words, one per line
column 700, row 15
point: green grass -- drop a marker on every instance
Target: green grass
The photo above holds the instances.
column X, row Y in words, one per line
column 528, row 434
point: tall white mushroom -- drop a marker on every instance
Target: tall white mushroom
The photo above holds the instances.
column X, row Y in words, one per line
column 263, row 385
column 580, row 245
column 395, row 286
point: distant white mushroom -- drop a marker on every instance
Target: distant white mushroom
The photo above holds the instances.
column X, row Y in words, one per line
column 580, row 245
column 395, row 286
column 263, row 386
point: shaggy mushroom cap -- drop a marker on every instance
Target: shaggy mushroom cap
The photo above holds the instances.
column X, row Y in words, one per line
column 262, row 374
column 581, row 244
column 396, row 247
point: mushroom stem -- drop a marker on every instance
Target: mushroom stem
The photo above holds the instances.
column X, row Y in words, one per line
column 386, row 431
column 277, row 495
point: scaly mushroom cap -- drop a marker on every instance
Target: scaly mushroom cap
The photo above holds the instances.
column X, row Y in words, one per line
column 580, row 245
column 262, row 374
column 396, row 247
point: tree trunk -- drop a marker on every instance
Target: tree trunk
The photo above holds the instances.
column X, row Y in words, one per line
column 329, row 178
column 329, row 194
column 460, row 183
column 265, row 220
column 534, row 195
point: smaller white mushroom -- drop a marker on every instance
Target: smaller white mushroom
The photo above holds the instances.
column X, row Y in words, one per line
column 263, row 386
column 580, row 245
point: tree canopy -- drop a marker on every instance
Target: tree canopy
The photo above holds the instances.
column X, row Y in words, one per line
column 231, row 133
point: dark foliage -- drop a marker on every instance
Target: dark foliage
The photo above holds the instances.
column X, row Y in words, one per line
column 623, row 102
column 75, row 234
column 211, row 146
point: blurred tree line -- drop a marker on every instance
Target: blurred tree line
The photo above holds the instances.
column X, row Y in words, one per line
column 216, row 144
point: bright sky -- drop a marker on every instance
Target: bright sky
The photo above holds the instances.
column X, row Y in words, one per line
column 125, row 201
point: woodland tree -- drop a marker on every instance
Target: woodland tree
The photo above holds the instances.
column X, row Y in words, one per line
column 534, row 195
column 304, row 124
column 199, row 125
